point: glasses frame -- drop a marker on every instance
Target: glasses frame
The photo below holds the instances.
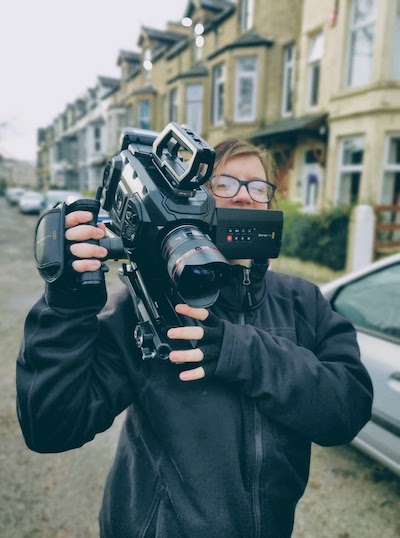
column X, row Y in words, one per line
column 240, row 185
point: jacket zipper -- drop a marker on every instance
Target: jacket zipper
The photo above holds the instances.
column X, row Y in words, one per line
column 257, row 423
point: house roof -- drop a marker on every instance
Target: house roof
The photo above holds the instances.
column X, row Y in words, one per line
column 208, row 5
column 247, row 40
column 163, row 36
column 198, row 70
column 290, row 126
column 128, row 56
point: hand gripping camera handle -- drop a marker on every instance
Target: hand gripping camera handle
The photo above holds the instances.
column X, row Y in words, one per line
column 89, row 278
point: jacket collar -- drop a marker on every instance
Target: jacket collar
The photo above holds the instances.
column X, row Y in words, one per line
column 240, row 296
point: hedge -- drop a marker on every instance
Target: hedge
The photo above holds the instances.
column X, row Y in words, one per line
column 318, row 237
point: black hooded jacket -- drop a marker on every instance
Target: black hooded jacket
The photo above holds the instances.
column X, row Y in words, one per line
column 225, row 456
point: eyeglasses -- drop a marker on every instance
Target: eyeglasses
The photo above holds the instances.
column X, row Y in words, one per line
column 225, row 186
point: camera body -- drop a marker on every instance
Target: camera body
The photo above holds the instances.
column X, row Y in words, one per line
column 167, row 219
column 165, row 222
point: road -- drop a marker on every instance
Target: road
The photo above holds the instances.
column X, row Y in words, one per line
column 58, row 495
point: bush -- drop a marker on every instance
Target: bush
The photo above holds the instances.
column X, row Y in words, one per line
column 320, row 238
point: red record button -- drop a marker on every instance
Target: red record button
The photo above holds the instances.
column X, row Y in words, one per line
column 229, row 238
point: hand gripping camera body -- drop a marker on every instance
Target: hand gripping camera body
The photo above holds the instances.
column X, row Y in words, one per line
column 165, row 223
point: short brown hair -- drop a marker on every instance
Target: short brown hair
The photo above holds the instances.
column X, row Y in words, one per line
column 235, row 147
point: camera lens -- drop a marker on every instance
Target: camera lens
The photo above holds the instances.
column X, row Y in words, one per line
column 195, row 265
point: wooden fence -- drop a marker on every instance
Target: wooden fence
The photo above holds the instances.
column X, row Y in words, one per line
column 387, row 230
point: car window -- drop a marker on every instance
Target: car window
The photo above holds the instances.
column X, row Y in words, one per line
column 373, row 302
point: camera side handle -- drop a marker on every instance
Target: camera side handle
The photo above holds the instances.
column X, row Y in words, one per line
column 88, row 278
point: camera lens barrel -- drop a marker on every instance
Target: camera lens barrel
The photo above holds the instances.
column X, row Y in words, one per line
column 194, row 264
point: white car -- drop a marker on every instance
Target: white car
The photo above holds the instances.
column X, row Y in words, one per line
column 13, row 194
column 370, row 299
column 31, row 202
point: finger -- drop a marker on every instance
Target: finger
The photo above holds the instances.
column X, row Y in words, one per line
column 77, row 217
column 83, row 233
column 80, row 266
column 196, row 313
column 186, row 333
column 187, row 355
column 192, row 375
column 86, row 250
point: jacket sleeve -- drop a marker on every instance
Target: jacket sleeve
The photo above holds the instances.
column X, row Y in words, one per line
column 71, row 378
column 321, row 391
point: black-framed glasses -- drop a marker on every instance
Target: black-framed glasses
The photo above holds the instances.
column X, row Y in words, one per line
column 225, row 186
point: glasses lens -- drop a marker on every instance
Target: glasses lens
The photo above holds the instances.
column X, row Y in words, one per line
column 260, row 191
column 228, row 187
column 224, row 186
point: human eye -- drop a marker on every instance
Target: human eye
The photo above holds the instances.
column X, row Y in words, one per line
column 223, row 184
column 259, row 187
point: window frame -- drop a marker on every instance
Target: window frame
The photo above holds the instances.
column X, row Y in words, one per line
column 246, row 15
column 288, row 78
column 217, row 110
column 353, row 28
column 193, row 103
column 173, row 108
column 246, row 75
column 311, row 65
column 388, row 167
column 140, row 116
column 348, row 168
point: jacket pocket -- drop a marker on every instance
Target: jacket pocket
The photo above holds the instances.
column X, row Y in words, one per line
column 285, row 332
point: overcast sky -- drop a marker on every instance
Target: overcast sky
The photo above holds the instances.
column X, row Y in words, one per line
column 52, row 51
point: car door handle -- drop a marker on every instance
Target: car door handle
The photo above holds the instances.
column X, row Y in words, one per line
column 394, row 381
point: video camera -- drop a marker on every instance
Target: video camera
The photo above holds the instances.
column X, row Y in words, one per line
column 164, row 222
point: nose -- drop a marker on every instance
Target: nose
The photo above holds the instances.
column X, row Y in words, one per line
column 243, row 196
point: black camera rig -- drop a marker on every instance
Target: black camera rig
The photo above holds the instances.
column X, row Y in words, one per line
column 164, row 223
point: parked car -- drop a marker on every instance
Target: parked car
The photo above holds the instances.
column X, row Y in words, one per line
column 13, row 195
column 53, row 197
column 370, row 299
column 31, row 202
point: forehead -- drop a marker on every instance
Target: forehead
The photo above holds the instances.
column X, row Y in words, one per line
column 244, row 167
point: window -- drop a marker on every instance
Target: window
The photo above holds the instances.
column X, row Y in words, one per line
column 371, row 303
column 361, row 42
column 350, row 170
column 97, row 137
column 391, row 173
column 315, row 53
column 245, row 88
column 246, row 14
column 396, row 44
column 288, row 79
column 218, row 94
column 164, row 109
column 311, row 179
column 173, row 105
column 194, row 106
column 144, row 114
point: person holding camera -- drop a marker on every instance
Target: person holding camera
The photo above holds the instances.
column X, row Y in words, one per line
column 217, row 439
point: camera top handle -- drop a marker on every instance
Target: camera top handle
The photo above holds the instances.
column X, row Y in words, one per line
column 188, row 175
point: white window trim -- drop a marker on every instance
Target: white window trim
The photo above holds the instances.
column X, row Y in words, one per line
column 246, row 15
column 310, row 66
column 387, row 167
column 140, row 110
column 286, row 83
column 173, row 103
column 217, row 81
column 200, row 104
column 246, row 75
column 352, row 28
column 346, row 168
